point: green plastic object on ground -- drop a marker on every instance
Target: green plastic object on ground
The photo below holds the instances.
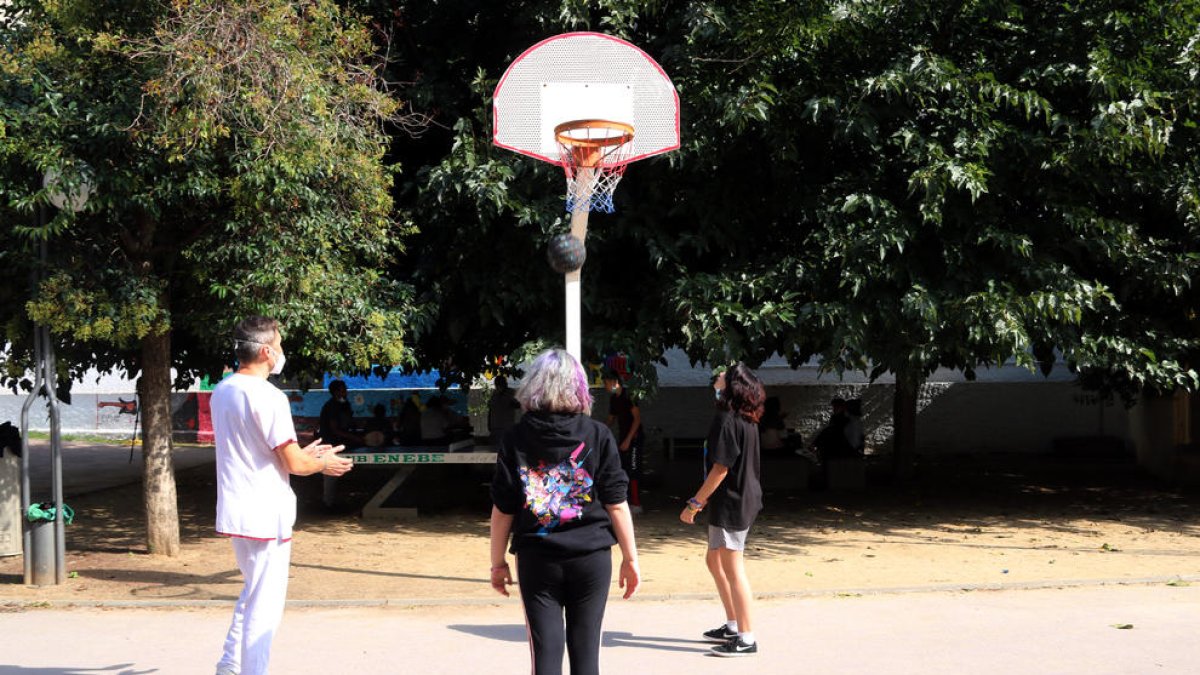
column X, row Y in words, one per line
column 45, row 511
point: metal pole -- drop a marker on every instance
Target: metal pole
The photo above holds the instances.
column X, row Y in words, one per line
column 574, row 302
column 60, row 528
column 26, row 495
column 38, row 386
column 573, row 280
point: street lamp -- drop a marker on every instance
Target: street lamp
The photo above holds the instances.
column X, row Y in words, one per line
column 39, row 564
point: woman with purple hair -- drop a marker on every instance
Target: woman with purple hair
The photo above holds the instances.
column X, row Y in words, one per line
column 559, row 494
column 732, row 494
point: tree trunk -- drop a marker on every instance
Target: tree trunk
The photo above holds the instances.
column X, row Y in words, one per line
column 162, row 508
column 904, row 426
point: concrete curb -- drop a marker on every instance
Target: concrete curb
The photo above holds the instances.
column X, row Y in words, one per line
column 412, row 603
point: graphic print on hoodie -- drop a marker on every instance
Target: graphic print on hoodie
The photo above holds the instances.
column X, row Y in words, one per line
column 557, row 494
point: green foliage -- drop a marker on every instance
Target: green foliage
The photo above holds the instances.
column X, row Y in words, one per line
column 485, row 214
column 889, row 186
column 885, row 185
column 239, row 154
column 955, row 185
column 122, row 317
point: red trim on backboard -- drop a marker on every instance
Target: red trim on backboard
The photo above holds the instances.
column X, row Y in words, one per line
column 527, row 52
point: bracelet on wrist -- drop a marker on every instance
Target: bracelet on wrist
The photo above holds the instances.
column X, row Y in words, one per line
column 695, row 505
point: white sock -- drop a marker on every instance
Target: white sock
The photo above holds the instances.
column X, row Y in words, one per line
column 747, row 637
column 731, row 625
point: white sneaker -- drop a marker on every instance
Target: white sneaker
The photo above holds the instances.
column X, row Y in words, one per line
column 636, row 509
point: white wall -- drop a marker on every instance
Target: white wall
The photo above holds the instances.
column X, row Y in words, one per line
column 952, row 417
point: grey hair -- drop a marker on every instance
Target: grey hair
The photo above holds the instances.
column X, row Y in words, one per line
column 252, row 334
column 555, row 383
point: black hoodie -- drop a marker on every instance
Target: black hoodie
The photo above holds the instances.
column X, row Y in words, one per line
column 556, row 472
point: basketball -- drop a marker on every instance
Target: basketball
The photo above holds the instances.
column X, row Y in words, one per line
column 565, row 253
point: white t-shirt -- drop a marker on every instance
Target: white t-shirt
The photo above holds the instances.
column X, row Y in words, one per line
column 250, row 418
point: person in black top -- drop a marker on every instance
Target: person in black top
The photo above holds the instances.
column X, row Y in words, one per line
column 624, row 411
column 559, row 493
column 410, row 421
column 379, row 428
column 502, row 408
column 336, row 418
column 732, row 494
column 831, row 442
column 772, row 430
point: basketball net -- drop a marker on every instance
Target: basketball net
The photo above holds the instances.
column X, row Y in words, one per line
column 594, row 154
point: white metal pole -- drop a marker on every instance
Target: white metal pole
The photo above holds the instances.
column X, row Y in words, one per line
column 574, row 327
column 572, row 280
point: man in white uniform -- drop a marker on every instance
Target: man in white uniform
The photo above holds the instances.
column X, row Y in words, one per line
column 256, row 508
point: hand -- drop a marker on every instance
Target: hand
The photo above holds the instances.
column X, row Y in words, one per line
column 501, row 579
column 335, row 465
column 316, row 448
column 688, row 515
column 624, row 447
column 630, row 577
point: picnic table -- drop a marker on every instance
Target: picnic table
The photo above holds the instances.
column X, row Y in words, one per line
column 405, row 459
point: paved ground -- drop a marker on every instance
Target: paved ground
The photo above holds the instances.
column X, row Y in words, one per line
column 88, row 467
column 1033, row 631
column 1060, row 630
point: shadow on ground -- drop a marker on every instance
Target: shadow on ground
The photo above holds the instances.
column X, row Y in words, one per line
column 117, row 669
column 517, row 633
column 976, row 494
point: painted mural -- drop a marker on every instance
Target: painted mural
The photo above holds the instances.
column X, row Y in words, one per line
column 306, row 406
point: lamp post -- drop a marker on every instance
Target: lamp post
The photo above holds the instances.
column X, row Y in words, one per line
column 38, row 565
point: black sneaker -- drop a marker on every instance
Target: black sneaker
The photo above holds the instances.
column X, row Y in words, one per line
column 720, row 634
column 735, row 647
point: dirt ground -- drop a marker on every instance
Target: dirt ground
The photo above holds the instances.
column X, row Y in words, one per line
column 965, row 521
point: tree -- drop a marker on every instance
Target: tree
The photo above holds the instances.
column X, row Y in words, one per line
column 889, row 186
column 484, row 214
column 958, row 185
column 238, row 154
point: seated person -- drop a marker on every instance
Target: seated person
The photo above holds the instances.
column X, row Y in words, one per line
column 502, row 409
column 772, row 431
column 337, row 417
column 440, row 424
column 855, row 436
column 409, row 426
column 379, row 428
column 457, row 426
column 433, row 422
column 831, row 442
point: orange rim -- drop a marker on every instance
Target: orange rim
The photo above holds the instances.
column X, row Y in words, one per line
column 624, row 135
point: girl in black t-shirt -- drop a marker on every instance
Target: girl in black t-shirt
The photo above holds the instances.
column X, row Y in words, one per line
column 732, row 494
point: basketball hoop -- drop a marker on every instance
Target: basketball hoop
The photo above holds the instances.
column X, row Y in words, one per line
column 559, row 102
column 594, row 154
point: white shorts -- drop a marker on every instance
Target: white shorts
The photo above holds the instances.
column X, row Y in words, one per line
column 719, row 537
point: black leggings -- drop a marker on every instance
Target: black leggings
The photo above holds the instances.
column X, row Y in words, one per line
column 577, row 585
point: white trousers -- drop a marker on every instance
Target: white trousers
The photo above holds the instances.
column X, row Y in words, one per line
column 259, row 609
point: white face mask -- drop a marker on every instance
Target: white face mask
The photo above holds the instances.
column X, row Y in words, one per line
column 279, row 361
